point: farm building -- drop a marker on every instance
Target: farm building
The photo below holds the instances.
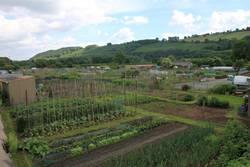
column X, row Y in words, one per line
column 222, row 68
column 173, row 39
column 142, row 66
column 183, row 64
column 18, row 89
column 4, row 72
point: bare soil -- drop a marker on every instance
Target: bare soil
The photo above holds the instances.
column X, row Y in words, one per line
column 96, row 157
column 189, row 111
column 201, row 113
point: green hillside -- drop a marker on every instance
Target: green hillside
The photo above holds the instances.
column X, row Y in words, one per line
column 147, row 50
column 53, row 54
column 6, row 64
column 218, row 36
column 144, row 51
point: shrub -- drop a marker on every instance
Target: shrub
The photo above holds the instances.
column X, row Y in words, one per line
column 37, row 147
column 202, row 100
column 223, row 89
column 185, row 87
column 214, row 102
column 188, row 98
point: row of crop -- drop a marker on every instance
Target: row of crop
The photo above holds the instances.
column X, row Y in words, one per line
column 88, row 110
column 195, row 147
column 63, row 126
column 86, row 142
column 61, row 103
column 57, row 115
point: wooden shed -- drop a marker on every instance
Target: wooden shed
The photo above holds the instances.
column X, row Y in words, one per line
column 18, row 90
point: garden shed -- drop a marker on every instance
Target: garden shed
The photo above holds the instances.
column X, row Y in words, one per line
column 18, row 90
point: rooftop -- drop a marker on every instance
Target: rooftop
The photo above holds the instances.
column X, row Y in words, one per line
column 10, row 77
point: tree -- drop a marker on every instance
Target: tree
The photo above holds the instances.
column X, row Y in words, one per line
column 120, row 58
column 241, row 53
column 166, row 62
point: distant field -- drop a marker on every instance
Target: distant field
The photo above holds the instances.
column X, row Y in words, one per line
column 216, row 37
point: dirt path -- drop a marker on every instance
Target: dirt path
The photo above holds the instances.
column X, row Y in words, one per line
column 5, row 160
column 96, row 157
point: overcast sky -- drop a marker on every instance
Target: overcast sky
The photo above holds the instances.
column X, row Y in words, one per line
column 28, row 27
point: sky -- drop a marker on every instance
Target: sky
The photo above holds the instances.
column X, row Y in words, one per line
column 28, row 27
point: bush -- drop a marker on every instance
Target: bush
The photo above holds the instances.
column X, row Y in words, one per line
column 202, row 101
column 188, row 98
column 37, row 147
column 212, row 102
column 185, row 87
column 223, row 89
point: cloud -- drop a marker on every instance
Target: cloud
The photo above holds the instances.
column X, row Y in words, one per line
column 135, row 20
column 226, row 20
column 25, row 22
column 32, row 5
column 187, row 21
column 123, row 35
column 22, row 49
column 217, row 21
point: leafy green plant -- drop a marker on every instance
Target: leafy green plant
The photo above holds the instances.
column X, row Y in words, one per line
column 36, row 147
column 236, row 146
column 76, row 151
column 91, row 146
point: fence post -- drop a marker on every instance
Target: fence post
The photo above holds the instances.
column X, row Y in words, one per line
column 26, row 97
column 248, row 111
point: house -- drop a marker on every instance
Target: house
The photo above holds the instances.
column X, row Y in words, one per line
column 142, row 66
column 173, row 39
column 183, row 64
column 4, row 72
column 18, row 89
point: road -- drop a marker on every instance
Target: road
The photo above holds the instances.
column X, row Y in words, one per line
column 203, row 85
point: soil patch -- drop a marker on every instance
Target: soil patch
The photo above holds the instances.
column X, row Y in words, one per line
column 189, row 111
